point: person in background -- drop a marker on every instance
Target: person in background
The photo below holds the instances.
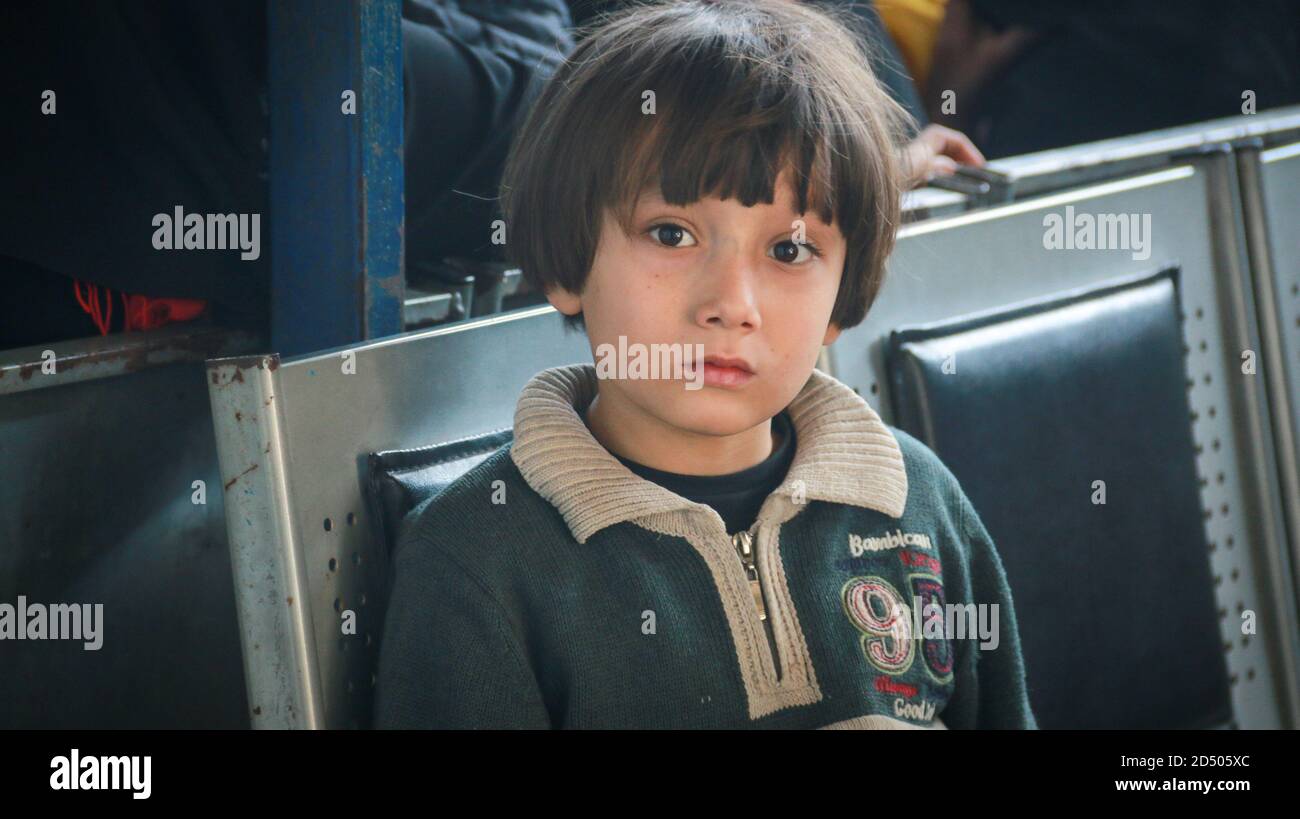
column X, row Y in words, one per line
column 473, row 69
column 1029, row 76
column 116, row 112
column 159, row 104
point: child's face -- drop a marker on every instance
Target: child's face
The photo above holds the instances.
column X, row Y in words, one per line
column 722, row 275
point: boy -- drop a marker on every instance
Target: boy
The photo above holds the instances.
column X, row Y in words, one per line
column 752, row 553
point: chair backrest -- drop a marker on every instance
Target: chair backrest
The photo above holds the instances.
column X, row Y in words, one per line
column 1067, row 421
column 298, row 442
column 402, row 479
column 112, row 495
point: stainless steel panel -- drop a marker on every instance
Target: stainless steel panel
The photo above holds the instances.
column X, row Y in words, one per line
column 98, row 507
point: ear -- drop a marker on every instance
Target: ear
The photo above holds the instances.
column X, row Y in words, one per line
column 567, row 303
column 832, row 333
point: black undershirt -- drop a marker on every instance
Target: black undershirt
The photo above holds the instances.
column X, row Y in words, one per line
column 736, row 497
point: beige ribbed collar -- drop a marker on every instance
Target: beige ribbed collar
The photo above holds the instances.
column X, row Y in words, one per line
column 844, row 453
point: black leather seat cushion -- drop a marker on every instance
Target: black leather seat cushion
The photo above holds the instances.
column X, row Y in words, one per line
column 401, row 479
column 1115, row 602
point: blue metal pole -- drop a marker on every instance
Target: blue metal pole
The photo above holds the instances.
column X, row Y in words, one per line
column 336, row 172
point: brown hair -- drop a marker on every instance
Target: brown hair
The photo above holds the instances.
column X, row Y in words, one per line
column 741, row 91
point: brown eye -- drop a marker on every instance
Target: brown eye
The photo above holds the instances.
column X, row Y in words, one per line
column 672, row 235
column 788, row 252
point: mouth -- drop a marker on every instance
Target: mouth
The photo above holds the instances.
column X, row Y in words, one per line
column 727, row 372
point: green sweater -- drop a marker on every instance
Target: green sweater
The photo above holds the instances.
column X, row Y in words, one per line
column 550, row 587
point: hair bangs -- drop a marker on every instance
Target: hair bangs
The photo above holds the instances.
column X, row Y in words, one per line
column 731, row 132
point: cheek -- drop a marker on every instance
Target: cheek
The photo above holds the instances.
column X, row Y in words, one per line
column 627, row 294
column 804, row 300
column 647, row 291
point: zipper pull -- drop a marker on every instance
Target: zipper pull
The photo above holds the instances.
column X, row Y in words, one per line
column 744, row 544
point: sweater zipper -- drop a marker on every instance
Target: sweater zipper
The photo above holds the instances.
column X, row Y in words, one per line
column 743, row 542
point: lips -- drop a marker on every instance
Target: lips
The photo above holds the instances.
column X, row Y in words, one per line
column 727, row 372
column 728, row 361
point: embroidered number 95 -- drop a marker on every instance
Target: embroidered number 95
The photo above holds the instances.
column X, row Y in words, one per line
column 878, row 611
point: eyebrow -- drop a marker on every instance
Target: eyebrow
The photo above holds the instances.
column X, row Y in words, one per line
column 653, row 196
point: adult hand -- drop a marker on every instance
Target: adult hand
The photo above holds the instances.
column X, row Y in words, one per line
column 937, row 151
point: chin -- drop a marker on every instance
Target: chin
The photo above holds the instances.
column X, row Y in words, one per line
column 713, row 412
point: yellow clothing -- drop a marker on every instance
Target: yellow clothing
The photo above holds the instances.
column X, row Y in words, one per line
column 914, row 26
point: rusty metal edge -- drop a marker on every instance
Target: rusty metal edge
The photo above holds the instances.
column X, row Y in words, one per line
column 78, row 360
column 281, row 670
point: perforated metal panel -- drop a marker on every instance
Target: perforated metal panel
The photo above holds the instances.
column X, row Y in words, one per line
column 331, row 409
column 994, row 258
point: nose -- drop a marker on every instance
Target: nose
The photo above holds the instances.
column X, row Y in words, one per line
column 728, row 294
